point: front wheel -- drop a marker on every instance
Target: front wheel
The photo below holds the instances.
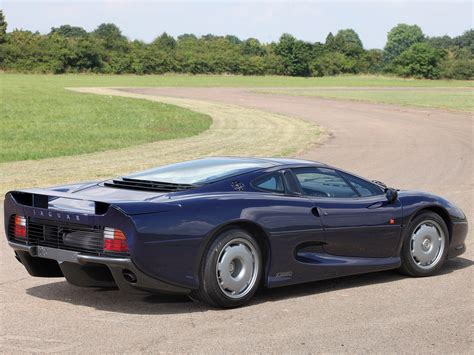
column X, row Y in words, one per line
column 231, row 270
column 425, row 245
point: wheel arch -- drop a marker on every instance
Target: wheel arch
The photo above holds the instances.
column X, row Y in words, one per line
column 440, row 211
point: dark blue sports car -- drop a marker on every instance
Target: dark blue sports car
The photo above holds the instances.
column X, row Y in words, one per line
column 217, row 229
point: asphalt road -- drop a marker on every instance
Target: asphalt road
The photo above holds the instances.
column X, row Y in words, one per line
column 382, row 312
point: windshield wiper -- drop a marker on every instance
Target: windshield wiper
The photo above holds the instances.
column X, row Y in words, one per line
column 380, row 183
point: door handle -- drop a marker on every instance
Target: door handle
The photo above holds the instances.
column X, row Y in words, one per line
column 317, row 212
column 376, row 205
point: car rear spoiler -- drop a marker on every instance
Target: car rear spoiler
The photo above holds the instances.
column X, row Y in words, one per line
column 40, row 198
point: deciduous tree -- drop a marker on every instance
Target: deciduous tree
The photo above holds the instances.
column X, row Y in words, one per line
column 3, row 28
column 400, row 38
column 69, row 31
column 295, row 55
column 347, row 42
column 421, row 61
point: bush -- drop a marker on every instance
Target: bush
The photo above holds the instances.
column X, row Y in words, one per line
column 370, row 62
column 460, row 69
column 420, row 61
column 333, row 64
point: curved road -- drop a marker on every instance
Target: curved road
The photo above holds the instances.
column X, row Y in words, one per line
column 407, row 148
column 410, row 148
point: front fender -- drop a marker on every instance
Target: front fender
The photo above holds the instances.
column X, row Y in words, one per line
column 413, row 202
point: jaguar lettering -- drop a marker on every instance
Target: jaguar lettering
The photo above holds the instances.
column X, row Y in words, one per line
column 57, row 215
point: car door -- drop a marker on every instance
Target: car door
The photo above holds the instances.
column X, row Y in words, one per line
column 357, row 218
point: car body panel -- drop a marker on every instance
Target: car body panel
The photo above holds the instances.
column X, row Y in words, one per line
column 363, row 227
column 304, row 238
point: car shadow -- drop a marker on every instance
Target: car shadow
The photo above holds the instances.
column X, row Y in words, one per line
column 112, row 300
column 347, row 282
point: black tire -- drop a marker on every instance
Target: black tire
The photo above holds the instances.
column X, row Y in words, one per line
column 210, row 292
column 409, row 265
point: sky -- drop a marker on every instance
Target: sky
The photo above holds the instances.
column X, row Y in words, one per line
column 265, row 20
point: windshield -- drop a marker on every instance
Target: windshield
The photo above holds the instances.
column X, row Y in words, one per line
column 201, row 171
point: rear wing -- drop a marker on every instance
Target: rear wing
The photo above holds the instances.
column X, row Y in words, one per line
column 41, row 198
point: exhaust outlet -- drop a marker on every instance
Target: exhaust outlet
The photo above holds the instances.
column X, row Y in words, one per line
column 129, row 276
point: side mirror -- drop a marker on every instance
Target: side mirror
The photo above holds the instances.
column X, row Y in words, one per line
column 391, row 194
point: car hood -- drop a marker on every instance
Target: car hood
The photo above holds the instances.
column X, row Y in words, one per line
column 415, row 193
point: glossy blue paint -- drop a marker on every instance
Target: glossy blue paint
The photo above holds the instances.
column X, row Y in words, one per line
column 307, row 238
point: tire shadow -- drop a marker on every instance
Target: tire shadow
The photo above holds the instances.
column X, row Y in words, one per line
column 113, row 300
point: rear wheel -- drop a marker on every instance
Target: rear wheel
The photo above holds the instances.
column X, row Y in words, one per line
column 231, row 270
column 425, row 246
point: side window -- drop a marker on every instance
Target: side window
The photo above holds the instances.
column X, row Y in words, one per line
column 364, row 188
column 322, row 182
column 272, row 183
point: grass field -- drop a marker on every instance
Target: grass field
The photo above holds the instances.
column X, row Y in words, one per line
column 235, row 130
column 443, row 98
column 60, row 81
column 40, row 119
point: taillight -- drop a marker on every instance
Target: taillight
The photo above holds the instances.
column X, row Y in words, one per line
column 114, row 240
column 20, row 227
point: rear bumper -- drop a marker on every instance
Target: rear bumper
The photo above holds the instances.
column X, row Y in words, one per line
column 457, row 245
column 90, row 270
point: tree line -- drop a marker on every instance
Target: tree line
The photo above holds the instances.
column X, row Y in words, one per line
column 70, row 49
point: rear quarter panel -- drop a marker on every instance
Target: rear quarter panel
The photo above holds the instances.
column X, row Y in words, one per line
column 170, row 245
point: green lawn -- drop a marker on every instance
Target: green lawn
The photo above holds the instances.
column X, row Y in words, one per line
column 40, row 119
column 451, row 99
column 61, row 81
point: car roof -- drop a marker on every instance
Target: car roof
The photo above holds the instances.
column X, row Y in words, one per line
column 293, row 161
column 269, row 161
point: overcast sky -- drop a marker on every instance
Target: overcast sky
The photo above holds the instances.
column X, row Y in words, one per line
column 265, row 20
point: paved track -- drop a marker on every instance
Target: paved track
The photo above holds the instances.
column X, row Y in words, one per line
column 382, row 312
